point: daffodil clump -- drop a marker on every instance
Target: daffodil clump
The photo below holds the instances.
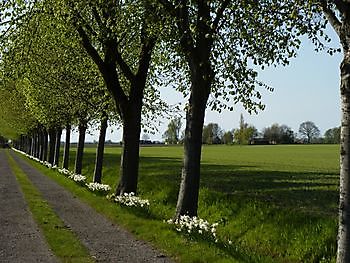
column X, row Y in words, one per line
column 65, row 171
column 96, row 187
column 195, row 226
column 78, row 178
column 130, row 200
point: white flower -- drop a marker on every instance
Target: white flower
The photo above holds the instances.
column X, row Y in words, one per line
column 194, row 224
column 77, row 178
column 98, row 187
column 129, row 199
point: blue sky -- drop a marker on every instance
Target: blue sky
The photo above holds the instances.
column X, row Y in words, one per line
column 306, row 90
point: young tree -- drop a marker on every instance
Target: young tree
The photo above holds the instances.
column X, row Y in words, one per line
column 227, row 137
column 309, row 130
column 245, row 133
column 279, row 134
column 332, row 135
column 172, row 134
column 212, row 134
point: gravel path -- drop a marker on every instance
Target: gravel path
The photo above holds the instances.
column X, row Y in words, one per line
column 105, row 241
column 20, row 238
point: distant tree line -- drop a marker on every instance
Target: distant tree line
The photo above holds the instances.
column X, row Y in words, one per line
column 247, row 134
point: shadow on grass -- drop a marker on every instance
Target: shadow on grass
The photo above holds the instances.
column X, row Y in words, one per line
column 276, row 206
column 308, row 191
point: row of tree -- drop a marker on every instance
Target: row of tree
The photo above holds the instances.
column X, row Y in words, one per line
column 54, row 51
column 248, row 134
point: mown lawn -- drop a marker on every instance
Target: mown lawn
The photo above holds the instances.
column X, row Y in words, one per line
column 276, row 203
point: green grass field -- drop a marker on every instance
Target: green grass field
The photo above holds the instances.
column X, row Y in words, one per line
column 276, row 203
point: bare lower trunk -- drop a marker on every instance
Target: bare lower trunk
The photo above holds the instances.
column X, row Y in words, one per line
column 29, row 149
column 66, row 148
column 52, row 139
column 45, row 145
column 187, row 203
column 100, row 151
column 33, row 145
column 129, row 163
column 57, row 146
column 41, row 144
column 80, row 149
column 343, row 254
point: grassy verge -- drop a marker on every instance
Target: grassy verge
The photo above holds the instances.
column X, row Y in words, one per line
column 63, row 243
column 275, row 203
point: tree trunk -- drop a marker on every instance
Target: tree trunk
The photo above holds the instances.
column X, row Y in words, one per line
column 41, row 144
column 187, row 203
column 30, row 145
column 52, row 139
column 66, row 148
column 80, row 149
column 45, row 145
column 343, row 254
column 57, row 146
column 33, row 146
column 129, row 163
column 36, row 144
column 100, row 150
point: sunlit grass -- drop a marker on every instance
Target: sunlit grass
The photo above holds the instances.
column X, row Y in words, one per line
column 276, row 203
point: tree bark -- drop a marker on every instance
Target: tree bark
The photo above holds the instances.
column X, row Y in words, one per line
column 33, row 148
column 36, row 144
column 45, row 145
column 343, row 254
column 100, row 150
column 187, row 203
column 30, row 145
column 66, row 148
column 52, row 139
column 80, row 148
column 40, row 140
column 129, row 163
column 57, row 146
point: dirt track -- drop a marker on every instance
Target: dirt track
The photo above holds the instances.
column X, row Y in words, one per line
column 105, row 241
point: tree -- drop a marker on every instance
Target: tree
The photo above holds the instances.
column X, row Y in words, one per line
column 216, row 41
column 279, row 134
column 172, row 134
column 120, row 42
column 337, row 13
column 332, row 136
column 245, row 133
column 309, row 130
column 212, row 134
column 227, row 137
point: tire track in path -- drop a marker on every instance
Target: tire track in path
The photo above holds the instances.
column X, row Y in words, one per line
column 104, row 240
column 20, row 237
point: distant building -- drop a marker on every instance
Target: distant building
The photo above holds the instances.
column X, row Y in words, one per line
column 260, row 141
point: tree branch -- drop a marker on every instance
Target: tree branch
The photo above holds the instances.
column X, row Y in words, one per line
column 89, row 48
column 331, row 17
column 184, row 27
column 97, row 16
column 124, row 66
column 220, row 13
column 341, row 4
column 168, row 6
